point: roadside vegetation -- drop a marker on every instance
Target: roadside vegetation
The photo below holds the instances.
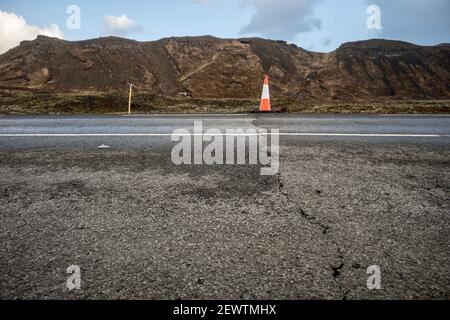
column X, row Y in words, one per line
column 31, row 103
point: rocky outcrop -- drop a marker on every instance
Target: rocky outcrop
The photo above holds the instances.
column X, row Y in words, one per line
column 230, row 68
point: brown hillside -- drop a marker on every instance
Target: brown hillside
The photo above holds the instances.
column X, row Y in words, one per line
column 209, row 67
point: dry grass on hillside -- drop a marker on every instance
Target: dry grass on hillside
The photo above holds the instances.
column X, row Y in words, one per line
column 27, row 102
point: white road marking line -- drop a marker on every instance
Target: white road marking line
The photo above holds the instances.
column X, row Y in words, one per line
column 281, row 134
column 381, row 135
column 415, row 115
column 199, row 115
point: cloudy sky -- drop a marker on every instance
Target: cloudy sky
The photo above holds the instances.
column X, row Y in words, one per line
column 319, row 25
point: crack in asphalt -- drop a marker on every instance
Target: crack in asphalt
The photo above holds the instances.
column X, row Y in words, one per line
column 337, row 272
column 315, row 221
column 336, row 269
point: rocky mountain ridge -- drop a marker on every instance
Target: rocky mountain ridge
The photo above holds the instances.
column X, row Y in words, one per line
column 209, row 67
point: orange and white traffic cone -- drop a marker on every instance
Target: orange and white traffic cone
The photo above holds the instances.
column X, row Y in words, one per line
column 265, row 99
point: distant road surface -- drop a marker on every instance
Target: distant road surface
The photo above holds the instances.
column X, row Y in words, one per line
column 63, row 132
column 353, row 191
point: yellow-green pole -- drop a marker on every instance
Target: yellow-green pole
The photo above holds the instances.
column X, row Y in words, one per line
column 129, row 99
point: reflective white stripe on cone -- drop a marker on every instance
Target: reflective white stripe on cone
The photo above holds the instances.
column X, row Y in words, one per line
column 265, row 98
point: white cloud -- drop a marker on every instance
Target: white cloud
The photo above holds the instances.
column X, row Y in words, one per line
column 14, row 29
column 120, row 25
column 282, row 19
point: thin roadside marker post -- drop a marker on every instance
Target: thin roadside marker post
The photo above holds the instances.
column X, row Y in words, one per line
column 129, row 99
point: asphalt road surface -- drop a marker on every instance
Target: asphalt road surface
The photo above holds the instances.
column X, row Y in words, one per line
column 353, row 191
column 149, row 131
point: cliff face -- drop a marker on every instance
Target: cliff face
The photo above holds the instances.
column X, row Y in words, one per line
column 229, row 68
